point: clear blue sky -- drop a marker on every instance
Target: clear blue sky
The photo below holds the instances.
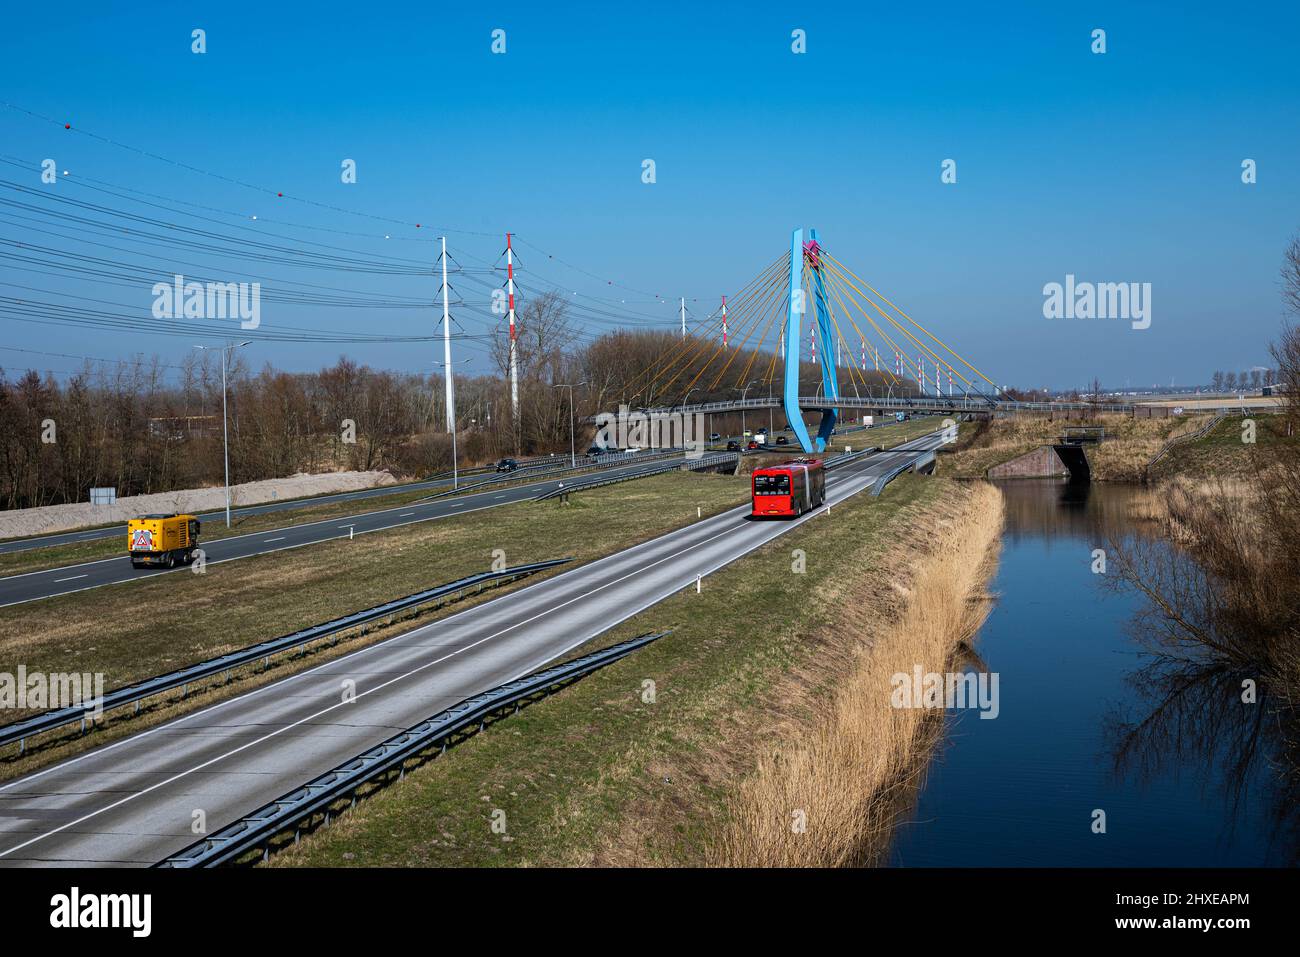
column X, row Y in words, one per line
column 1118, row 167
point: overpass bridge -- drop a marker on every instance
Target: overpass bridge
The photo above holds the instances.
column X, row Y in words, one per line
column 952, row 403
column 810, row 312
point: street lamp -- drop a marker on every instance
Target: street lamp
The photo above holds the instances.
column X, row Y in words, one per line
column 573, row 457
column 743, row 392
column 683, row 412
column 451, row 417
column 225, row 432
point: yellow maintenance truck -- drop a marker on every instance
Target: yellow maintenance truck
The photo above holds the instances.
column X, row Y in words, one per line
column 162, row 540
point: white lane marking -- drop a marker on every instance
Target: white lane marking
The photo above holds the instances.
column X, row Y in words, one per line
column 457, row 504
column 341, row 704
column 268, row 540
column 722, row 518
column 500, row 496
column 72, row 579
column 901, row 448
column 404, row 514
column 235, row 538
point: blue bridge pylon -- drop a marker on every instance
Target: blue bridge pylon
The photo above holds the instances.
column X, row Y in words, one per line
column 805, row 257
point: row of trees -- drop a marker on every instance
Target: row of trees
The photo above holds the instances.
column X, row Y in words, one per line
column 1251, row 379
column 142, row 426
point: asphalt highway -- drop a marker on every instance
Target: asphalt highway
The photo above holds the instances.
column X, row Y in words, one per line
column 32, row 586
column 527, row 469
column 133, row 802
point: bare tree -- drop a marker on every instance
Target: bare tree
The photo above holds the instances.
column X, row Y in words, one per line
column 1291, row 276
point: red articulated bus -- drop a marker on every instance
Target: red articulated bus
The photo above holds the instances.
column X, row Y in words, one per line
column 789, row 489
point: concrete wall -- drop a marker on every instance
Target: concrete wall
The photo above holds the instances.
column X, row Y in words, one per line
column 1043, row 462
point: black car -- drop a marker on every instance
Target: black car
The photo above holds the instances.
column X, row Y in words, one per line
column 733, row 445
column 782, row 440
column 507, row 465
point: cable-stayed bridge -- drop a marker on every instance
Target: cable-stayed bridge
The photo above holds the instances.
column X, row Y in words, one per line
column 887, row 359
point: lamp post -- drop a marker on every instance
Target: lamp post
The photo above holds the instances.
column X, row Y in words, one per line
column 743, row 393
column 225, row 431
column 683, row 411
column 573, row 456
column 451, row 424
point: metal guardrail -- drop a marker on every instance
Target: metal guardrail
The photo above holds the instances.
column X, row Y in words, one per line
column 133, row 694
column 300, row 806
column 920, row 403
column 845, row 458
column 708, row 461
column 481, row 469
column 614, row 460
column 1178, row 440
column 923, row 458
column 703, row 462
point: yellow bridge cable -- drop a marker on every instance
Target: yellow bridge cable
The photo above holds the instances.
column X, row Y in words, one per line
column 774, row 289
column 938, row 360
column 883, row 299
column 694, row 345
column 901, row 353
column 716, row 352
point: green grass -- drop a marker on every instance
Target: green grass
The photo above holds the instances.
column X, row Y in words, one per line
column 595, row 774
column 56, row 556
column 138, row 629
column 1221, row 453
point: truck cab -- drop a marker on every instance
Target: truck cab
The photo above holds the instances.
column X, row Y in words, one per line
column 162, row 540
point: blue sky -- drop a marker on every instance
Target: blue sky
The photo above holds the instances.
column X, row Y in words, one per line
column 1116, row 167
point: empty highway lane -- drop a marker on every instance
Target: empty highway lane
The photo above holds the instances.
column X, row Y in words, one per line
column 133, row 802
column 32, row 586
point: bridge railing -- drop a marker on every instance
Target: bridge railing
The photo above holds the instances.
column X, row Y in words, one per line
column 964, row 403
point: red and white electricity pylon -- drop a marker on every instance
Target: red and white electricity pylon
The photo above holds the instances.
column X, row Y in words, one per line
column 514, row 350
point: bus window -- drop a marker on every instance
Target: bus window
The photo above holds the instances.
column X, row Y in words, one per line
column 771, row 484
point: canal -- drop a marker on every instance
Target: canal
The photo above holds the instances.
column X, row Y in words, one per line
column 1184, row 771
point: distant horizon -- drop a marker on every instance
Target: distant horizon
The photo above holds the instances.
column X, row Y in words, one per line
column 1065, row 162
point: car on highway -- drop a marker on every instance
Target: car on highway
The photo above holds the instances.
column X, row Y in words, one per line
column 733, row 445
column 782, row 440
column 752, row 444
column 714, row 437
column 507, row 465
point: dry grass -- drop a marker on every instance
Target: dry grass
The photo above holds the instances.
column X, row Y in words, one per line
column 843, row 770
column 1129, row 445
column 596, row 776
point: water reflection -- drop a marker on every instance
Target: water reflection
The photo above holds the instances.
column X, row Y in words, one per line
column 1202, row 698
column 1096, row 713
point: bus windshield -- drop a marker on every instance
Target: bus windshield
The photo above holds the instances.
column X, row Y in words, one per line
column 772, row 484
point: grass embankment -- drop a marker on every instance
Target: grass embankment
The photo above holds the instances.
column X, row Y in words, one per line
column 1222, row 454
column 58, row 556
column 138, row 629
column 763, row 661
column 1129, row 445
column 842, row 775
